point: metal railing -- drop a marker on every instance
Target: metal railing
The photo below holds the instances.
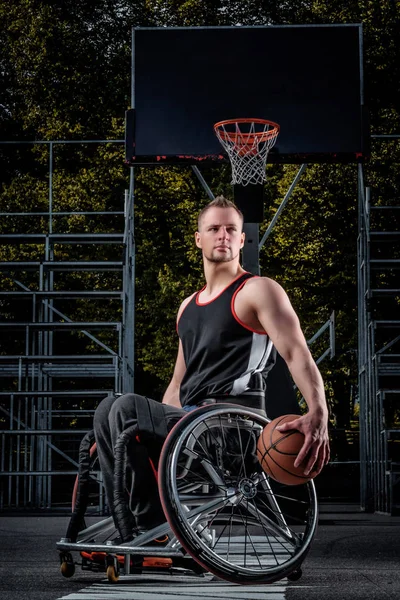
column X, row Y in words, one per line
column 378, row 362
column 44, row 410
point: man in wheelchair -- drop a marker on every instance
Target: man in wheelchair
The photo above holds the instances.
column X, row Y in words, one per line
column 227, row 334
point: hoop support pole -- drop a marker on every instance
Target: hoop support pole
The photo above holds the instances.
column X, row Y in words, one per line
column 282, row 205
column 203, row 182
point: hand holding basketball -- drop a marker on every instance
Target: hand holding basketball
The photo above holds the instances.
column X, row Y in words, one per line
column 315, row 453
column 284, row 451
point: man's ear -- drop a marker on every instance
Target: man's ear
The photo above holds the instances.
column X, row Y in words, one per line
column 243, row 238
column 197, row 239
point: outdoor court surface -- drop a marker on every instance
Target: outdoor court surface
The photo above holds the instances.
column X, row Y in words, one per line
column 354, row 555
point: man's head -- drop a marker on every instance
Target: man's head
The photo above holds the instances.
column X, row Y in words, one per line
column 220, row 231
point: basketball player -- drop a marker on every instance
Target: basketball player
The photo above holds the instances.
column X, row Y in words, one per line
column 226, row 332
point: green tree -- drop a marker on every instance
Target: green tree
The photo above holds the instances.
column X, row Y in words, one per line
column 65, row 70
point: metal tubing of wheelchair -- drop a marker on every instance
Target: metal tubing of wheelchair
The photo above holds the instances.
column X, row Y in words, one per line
column 193, row 500
column 149, row 536
column 127, row 564
column 207, row 466
column 110, row 549
column 214, row 505
column 102, row 526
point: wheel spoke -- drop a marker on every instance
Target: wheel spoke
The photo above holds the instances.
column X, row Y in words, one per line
column 264, row 521
column 248, row 535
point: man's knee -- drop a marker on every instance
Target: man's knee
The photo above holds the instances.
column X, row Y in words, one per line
column 127, row 410
column 125, row 406
column 102, row 412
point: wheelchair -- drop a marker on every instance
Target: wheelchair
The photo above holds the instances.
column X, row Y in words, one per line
column 224, row 515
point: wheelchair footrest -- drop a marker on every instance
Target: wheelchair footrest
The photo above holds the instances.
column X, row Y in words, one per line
column 100, row 558
column 97, row 562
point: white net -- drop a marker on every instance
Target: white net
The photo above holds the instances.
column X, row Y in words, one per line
column 247, row 143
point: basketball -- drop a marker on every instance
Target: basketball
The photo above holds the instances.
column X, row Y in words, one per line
column 277, row 451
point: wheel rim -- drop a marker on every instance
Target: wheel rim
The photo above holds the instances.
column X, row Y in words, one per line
column 224, row 510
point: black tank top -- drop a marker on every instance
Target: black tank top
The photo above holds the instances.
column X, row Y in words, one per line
column 222, row 355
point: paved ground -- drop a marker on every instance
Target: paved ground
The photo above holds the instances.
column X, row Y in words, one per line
column 354, row 556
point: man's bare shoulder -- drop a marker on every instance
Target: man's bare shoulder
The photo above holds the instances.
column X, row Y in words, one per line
column 263, row 292
column 267, row 298
column 263, row 285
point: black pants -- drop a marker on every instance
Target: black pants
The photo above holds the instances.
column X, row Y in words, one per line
column 111, row 418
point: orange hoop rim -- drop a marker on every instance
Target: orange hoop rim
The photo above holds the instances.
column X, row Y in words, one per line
column 248, row 138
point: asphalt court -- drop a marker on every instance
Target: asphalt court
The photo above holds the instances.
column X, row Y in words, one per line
column 353, row 556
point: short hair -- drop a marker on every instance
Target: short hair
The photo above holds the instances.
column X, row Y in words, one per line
column 218, row 202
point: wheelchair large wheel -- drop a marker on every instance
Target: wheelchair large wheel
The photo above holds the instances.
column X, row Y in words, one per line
column 226, row 512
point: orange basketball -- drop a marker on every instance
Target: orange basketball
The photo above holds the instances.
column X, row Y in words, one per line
column 277, row 451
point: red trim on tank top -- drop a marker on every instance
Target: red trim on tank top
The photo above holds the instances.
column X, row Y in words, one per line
column 235, row 315
column 225, row 288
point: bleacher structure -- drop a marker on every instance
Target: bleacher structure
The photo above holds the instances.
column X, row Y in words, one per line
column 379, row 350
column 49, row 393
column 60, row 367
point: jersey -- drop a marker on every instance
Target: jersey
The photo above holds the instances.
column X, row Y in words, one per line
column 223, row 356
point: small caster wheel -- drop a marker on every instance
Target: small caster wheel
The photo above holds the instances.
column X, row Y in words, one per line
column 295, row 575
column 67, row 566
column 112, row 574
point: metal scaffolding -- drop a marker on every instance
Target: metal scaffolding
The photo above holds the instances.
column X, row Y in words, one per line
column 44, row 409
column 378, row 351
column 44, row 413
column 48, row 398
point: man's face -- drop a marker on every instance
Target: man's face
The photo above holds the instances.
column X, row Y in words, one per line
column 220, row 236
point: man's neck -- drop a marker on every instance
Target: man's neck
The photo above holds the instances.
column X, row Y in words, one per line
column 219, row 275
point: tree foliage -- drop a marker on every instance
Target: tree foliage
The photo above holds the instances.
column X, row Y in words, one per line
column 65, row 71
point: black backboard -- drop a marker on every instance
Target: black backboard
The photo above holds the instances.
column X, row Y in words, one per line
column 306, row 78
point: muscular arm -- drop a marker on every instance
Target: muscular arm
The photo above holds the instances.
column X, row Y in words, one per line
column 279, row 320
column 171, row 395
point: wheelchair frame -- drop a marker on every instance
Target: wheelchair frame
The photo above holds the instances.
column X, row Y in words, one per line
column 224, row 514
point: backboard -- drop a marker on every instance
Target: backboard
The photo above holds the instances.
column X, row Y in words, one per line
column 307, row 78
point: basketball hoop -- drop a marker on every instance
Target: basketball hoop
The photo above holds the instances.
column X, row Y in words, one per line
column 247, row 143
